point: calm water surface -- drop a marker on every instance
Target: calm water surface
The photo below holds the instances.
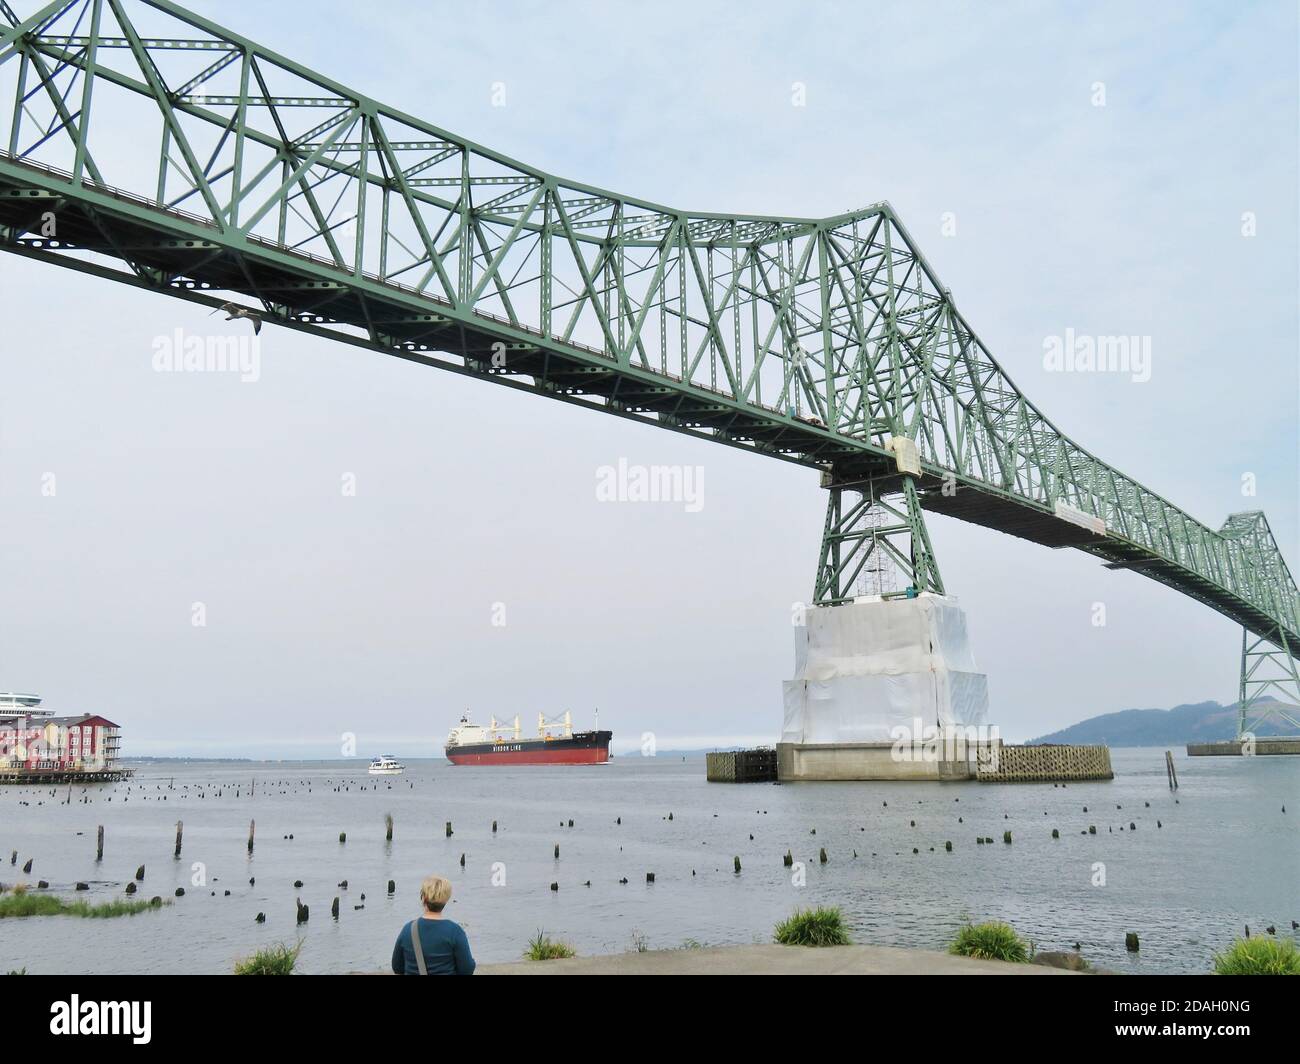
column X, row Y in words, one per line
column 1225, row 856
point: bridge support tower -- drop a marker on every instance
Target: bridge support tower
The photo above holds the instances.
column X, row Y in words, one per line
column 874, row 540
column 1267, row 670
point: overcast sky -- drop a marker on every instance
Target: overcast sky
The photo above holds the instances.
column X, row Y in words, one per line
column 372, row 614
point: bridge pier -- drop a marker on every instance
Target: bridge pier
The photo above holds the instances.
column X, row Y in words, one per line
column 1267, row 671
column 885, row 686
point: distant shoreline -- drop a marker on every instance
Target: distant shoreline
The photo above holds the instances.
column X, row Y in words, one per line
column 181, row 759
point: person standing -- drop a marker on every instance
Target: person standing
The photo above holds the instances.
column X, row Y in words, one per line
column 432, row 944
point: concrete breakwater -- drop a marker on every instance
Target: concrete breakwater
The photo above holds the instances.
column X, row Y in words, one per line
column 741, row 766
column 1242, row 748
column 1048, row 764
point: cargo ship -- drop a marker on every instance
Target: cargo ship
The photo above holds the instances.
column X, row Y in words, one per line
column 556, row 743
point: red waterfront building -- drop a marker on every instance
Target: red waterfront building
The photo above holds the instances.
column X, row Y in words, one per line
column 35, row 744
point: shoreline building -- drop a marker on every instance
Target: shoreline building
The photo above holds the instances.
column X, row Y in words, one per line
column 36, row 746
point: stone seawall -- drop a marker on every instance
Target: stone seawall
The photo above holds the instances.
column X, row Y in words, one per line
column 1048, row 764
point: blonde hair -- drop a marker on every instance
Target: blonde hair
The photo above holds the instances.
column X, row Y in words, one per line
column 435, row 892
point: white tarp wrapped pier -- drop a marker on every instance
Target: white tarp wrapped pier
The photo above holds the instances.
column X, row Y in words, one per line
column 865, row 667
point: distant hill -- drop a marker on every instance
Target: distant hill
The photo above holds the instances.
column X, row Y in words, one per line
column 1199, row 723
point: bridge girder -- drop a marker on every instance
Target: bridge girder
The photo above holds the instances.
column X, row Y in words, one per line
column 178, row 156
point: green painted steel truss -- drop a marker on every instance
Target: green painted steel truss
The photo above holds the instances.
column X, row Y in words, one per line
column 144, row 143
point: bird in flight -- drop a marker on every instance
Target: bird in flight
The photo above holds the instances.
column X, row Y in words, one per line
column 234, row 310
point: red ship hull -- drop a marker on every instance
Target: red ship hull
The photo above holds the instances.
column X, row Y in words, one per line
column 533, row 757
column 584, row 748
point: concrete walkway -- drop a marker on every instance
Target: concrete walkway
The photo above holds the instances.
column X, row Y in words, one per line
column 771, row 960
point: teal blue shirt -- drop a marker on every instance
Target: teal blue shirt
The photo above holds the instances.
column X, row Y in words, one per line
column 445, row 947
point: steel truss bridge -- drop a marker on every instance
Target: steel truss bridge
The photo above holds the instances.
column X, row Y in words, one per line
column 143, row 143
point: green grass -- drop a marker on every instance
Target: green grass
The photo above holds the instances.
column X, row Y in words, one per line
column 991, row 941
column 823, row 926
column 1259, row 956
column 25, row 904
column 273, row 960
column 541, row 947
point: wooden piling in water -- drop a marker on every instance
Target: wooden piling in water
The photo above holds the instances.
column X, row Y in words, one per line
column 1170, row 771
column 99, row 843
column 180, row 831
column 252, row 828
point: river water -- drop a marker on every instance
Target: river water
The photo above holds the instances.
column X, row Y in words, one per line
column 1224, row 855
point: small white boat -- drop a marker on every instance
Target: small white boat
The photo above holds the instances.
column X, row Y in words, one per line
column 387, row 765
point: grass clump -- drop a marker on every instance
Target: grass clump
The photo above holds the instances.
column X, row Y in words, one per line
column 272, row 960
column 990, row 941
column 823, row 926
column 24, row 904
column 1259, row 956
column 541, row 947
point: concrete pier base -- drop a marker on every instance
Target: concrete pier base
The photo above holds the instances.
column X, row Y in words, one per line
column 866, row 761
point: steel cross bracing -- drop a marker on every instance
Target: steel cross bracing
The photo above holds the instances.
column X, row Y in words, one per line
column 142, row 142
column 868, row 533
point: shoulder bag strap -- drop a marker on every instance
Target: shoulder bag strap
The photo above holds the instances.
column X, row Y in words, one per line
column 419, row 950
